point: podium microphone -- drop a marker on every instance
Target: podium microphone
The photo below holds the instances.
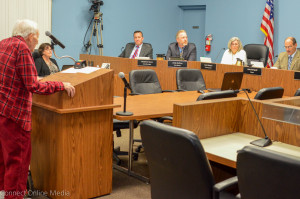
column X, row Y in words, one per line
column 122, row 76
column 54, row 40
column 219, row 54
column 126, row 85
column 260, row 142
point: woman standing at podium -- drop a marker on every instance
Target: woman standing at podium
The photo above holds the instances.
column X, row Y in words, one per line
column 18, row 80
column 45, row 65
column 234, row 52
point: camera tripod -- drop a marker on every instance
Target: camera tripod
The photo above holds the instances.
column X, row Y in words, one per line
column 96, row 29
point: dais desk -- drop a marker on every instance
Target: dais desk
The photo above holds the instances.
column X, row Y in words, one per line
column 213, row 79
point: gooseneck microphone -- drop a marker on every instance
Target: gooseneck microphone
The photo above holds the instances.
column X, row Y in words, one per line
column 260, row 142
column 122, row 76
column 54, row 40
column 219, row 54
column 126, row 85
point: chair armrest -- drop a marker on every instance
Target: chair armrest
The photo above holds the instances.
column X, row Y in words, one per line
column 168, row 91
column 162, row 119
column 134, row 94
column 221, row 186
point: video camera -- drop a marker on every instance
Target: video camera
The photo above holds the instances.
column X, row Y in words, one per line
column 96, row 5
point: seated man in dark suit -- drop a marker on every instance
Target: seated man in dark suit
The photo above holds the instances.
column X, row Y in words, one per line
column 182, row 48
column 138, row 48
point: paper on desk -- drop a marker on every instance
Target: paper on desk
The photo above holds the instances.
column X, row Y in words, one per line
column 86, row 70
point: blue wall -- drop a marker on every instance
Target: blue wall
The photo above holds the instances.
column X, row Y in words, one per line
column 160, row 19
column 157, row 19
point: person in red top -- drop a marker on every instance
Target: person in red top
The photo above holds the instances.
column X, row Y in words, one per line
column 18, row 80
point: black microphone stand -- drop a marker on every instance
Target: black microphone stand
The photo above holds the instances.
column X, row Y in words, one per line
column 124, row 112
column 260, row 142
column 219, row 54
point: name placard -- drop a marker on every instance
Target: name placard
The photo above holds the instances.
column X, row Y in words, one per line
column 252, row 71
column 180, row 64
column 147, row 63
column 297, row 75
column 208, row 66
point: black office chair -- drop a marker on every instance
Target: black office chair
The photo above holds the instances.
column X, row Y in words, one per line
column 189, row 80
column 297, row 93
column 217, row 95
column 36, row 54
column 269, row 93
column 144, row 82
column 178, row 164
column 65, row 67
column 257, row 52
column 263, row 173
column 118, row 125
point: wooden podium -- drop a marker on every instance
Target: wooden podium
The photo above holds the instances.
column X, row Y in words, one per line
column 72, row 137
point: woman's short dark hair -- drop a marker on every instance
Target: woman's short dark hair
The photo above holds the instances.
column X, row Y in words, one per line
column 42, row 48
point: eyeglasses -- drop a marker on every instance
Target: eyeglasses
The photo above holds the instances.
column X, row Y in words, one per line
column 288, row 47
column 48, row 49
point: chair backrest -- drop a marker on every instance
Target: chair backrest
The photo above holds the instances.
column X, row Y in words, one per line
column 64, row 67
column 269, row 93
column 297, row 93
column 144, row 82
column 36, row 54
column 217, row 95
column 177, row 161
column 190, row 80
column 257, row 52
column 266, row 174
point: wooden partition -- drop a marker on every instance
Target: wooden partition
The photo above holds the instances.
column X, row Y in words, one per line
column 72, row 137
column 213, row 79
column 224, row 116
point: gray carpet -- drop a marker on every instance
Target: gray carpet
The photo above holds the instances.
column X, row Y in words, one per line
column 124, row 186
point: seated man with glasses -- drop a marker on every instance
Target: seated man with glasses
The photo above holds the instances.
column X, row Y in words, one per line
column 289, row 60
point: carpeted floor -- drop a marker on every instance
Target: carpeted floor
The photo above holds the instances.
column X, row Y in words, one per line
column 124, row 186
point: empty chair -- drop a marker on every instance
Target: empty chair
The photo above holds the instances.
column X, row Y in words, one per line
column 297, row 93
column 257, row 52
column 144, row 82
column 217, row 95
column 177, row 162
column 269, row 93
column 190, row 80
column 266, row 174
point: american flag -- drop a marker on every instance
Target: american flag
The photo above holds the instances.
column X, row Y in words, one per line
column 267, row 27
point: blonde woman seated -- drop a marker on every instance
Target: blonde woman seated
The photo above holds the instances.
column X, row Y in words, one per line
column 45, row 65
column 234, row 51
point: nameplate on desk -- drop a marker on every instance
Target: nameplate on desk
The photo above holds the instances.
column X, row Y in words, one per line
column 147, row 63
column 181, row 64
column 208, row 66
column 252, row 71
column 297, row 75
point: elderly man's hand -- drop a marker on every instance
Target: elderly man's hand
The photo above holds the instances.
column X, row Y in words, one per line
column 69, row 89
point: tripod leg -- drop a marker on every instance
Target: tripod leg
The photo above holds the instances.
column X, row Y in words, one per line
column 98, row 39
column 90, row 43
column 101, row 25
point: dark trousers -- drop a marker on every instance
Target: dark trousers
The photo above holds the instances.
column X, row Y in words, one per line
column 15, row 154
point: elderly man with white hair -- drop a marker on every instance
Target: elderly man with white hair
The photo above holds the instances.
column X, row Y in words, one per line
column 18, row 80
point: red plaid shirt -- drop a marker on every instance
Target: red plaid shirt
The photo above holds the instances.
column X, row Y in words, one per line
column 18, row 80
